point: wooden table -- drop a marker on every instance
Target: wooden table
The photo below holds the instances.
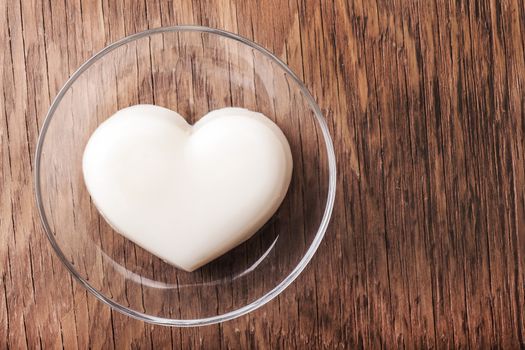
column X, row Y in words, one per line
column 425, row 102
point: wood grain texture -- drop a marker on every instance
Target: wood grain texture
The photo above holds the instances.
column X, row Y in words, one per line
column 425, row 102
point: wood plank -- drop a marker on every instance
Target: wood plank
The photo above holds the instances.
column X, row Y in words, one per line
column 424, row 100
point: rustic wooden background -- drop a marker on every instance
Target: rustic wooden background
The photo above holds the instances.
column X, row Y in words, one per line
column 425, row 101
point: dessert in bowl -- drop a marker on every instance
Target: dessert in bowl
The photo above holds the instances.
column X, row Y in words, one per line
column 192, row 71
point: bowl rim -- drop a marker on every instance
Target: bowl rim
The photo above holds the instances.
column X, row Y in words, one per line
column 274, row 291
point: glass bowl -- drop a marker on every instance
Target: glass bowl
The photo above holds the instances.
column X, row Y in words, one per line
column 191, row 70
